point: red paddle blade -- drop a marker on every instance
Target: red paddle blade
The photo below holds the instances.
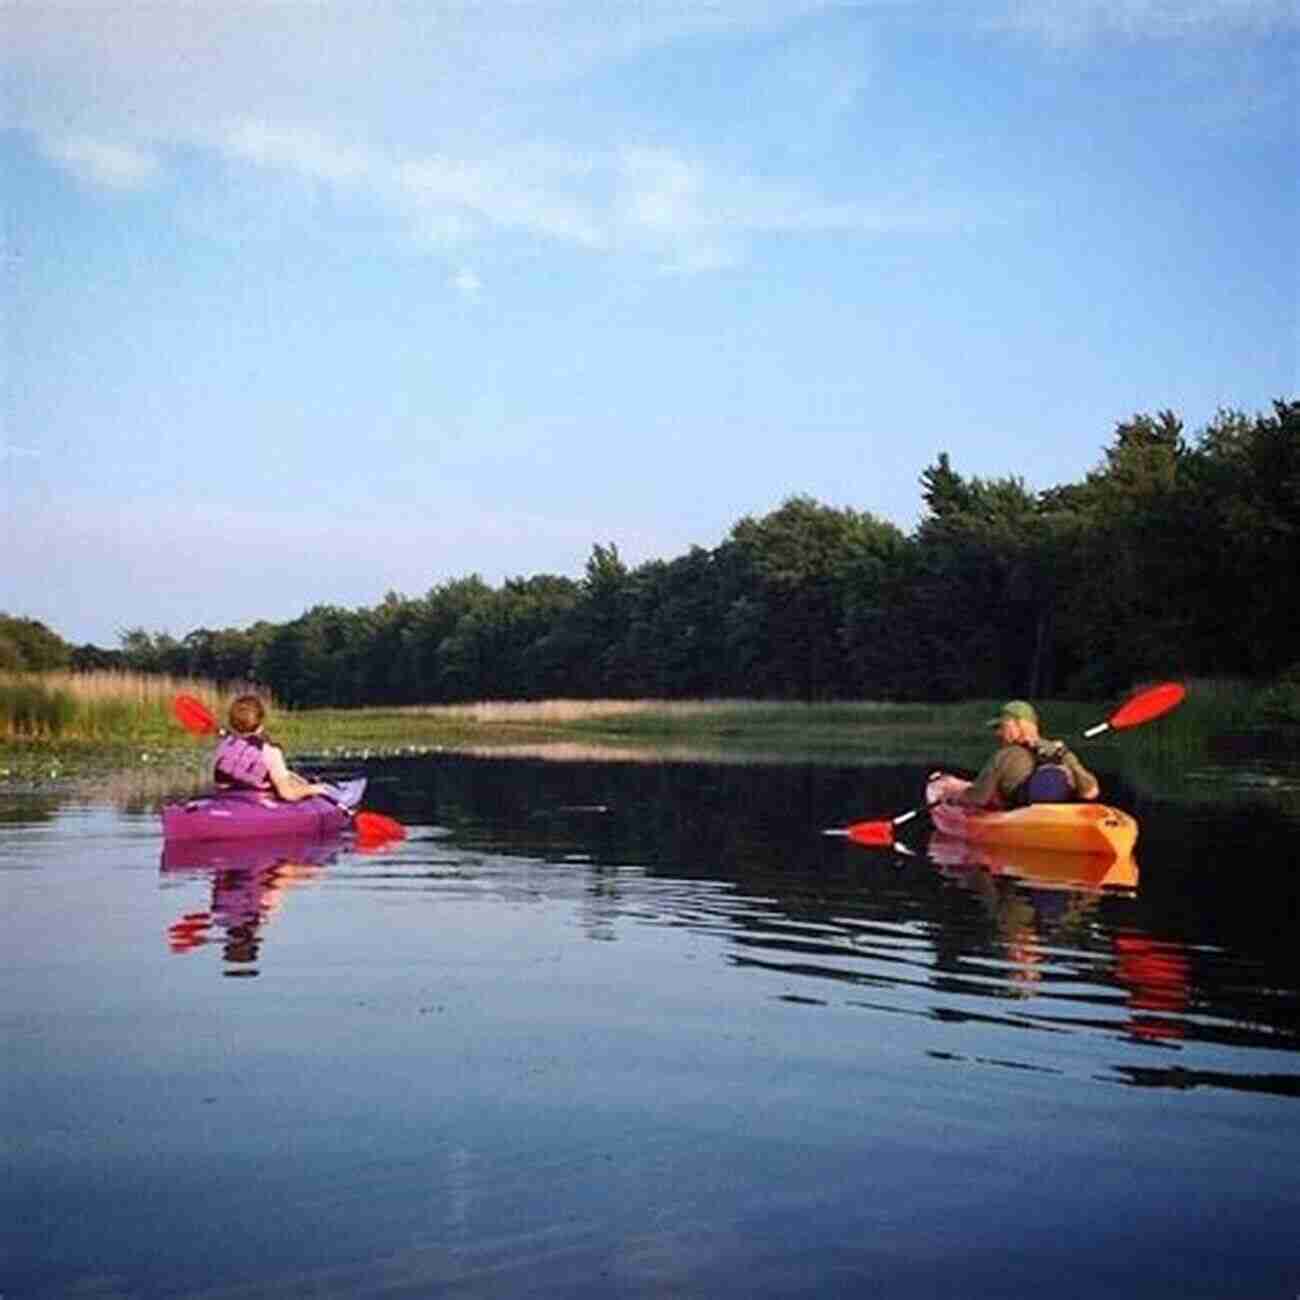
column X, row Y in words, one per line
column 1154, row 702
column 375, row 826
column 193, row 715
column 872, row 833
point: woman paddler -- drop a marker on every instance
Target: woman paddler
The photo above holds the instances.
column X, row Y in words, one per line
column 1027, row 768
column 246, row 758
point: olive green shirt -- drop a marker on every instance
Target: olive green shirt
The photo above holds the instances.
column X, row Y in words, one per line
column 1003, row 775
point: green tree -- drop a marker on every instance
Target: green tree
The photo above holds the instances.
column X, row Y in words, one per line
column 1241, row 541
column 441, row 673
column 26, row 644
column 89, row 658
column 588, row 648
column 1125, row 607
column 880, row 629
column 384, row 672
column 528, row 608
column 802, row 560
column 153, row 652
column 1171, row 556
column 983, row 587
column 674, row 645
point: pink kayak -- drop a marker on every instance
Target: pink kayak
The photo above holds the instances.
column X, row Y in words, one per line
column 248, row 814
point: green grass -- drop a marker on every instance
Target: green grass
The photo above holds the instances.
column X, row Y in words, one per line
column 845, row 729
column 59, row 725
column 93, row 724
column 31, row 708
column 108, row 707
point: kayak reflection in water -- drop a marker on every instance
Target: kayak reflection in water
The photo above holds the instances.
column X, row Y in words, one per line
column 249, row 883
column 1027, row 768
column 1035, row 897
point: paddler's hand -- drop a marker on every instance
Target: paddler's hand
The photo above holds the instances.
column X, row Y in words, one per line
column 305, row 789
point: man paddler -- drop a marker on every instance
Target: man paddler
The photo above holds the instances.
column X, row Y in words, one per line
column 1027, row 768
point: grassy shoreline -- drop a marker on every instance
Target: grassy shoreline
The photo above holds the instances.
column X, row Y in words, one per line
column 595, row 728
column 134, row 731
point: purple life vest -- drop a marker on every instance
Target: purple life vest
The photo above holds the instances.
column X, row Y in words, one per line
column 1050, row 781
column 239, row 763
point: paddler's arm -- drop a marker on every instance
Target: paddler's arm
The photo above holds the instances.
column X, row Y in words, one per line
column 289, row 786
column 979, row 793
column 998, row 778
column 1086, row 786
column 983, row 790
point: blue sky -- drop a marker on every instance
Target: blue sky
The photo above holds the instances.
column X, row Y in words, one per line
column 306, row 302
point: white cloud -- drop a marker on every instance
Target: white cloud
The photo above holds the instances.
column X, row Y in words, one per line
column 662, row 192
column 305, row 151
column 446, row 115
column 108, row 164
column 467, row 283
column 700, row 218
column 685, row 215
column 534, row 191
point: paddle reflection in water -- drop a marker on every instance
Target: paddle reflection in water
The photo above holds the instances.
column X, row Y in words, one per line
column 1158, row 975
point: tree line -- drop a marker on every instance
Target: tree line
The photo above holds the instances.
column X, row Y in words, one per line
column 1174, row 555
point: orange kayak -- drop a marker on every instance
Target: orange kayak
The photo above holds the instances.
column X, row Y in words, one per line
column 1064, row 827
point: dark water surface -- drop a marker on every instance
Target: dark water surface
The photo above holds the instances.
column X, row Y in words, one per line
column 642, row 1030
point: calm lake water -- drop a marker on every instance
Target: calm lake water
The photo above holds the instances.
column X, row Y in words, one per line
column 643, row 1030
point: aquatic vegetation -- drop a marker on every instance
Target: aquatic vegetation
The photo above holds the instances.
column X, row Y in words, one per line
column 1280, row 703
column 63, row 722
column 108, row 705
column 30, row 707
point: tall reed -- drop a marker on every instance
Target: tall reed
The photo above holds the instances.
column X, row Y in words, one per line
column 98, row 706
column 574, row 712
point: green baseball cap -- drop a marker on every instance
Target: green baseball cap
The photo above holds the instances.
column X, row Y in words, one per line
column 1017, row 710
